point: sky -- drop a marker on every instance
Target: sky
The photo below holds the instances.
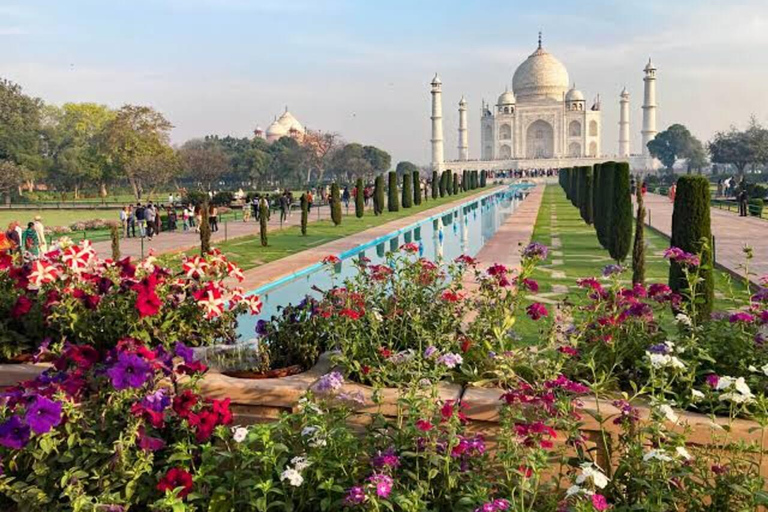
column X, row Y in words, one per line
column 362, row 67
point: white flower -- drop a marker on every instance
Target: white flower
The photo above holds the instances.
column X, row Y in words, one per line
column 682, row 452
column 572, row 491
column 591, row 472
column 656, row 455
column 300, row 463
column 683, row 319
column 309, row 431
column 316, row 438
column 738, row 390
column 669, row 413
column 741, row 386
column 239, row 434
column 724, row 383
column 696, row 394
column 665, row 361
column 293, row 476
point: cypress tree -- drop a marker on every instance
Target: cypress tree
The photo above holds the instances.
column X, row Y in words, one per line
column 114, row 233
column 335, row 205
column 638, row 248
column 449, row 183
column 359, row 198
column 455, row 183
column 579, row 187
column 586, row 196
column 416, row 188
column 435, row 185
column 263, row 219
column 483, row 178
column 407, row 190
column 393, row 203
column 608, row 172
column 205, row 228
column 621, row 216
column 566, row 173
column 304, row 214
column 378, row 195
column 597, row 215
column 464, row 180
column 443, row 183
column 691, row 232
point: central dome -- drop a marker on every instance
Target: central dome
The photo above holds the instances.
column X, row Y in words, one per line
column 540, row 77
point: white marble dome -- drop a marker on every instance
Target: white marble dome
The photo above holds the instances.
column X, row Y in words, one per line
column 540, row 77
column 285, row 125
column 506, row 98
column 574, row 95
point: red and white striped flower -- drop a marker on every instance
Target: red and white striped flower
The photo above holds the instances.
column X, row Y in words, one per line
column 212, row 300
column 254, row 304
column 195, row 267
column 235, row 272
column 216, row 259
column 78, row 258
column 42, row 273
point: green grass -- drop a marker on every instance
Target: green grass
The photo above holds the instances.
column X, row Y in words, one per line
column 582, row 256
column 248, row 252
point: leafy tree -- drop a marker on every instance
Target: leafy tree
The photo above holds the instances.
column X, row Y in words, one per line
column 405, row 167
column 407, row 190
column 304, row 214
column 379, row 160
column 673, row 143
column 20, row 127
column 393, row 200
column 349, row 162
column 204, row 163
column 249, row 159
column 378, row 195
column 288, row 162
column 691, row 232
column 621, row 216
column 318, row 146
column 435, row 185
column 740, row 148
column 155, row 170
column 416, row 187
column 134, row 136
column 12, row 176
column 335, row 204
column 697, row 156
column 638, row 249
column 359, row 198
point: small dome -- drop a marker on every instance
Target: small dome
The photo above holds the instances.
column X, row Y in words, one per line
column 276, row 130
column 289, row 122
column 540, row 77
column 574, row 94
column 507, row 98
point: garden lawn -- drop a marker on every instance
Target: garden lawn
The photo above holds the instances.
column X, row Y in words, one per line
column 580, row 255
column 248, row 252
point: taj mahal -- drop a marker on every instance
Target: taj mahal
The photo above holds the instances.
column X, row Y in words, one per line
column 543, row 122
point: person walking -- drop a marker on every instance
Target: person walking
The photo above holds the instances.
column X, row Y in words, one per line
column 310, row 198
column 158, row 219
column 124, row 220
column 141, row 219
column 30, row 242
column 743, row 201
column 283, row 203
column 213, row 218
column 40, row 229
column 149, row 217
column 14, row 237
column 130, row 228
column 672, row 192
column 345, row 197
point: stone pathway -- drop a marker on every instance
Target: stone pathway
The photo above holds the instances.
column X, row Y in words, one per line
column 731, row 234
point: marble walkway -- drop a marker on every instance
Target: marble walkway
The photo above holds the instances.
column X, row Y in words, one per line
column 732, row 233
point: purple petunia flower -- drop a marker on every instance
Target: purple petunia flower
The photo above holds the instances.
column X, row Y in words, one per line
column 536, row 250
column 741, row 316
column 131, row 371
column 329, row 383
column 355, row 496
column 383, row 484
column 157, row 401
column 184, row 352
column 611, row 270
column 43, row 414
column 450, row 360
column 659, row 348
column 430, row 351
column 386, row 459
column 14, row 433
column 261, row 327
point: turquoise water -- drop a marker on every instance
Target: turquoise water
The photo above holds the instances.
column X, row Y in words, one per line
column 464, row 229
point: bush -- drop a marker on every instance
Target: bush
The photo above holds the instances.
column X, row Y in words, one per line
column 756, row 207
column 465, row 180
column 263, row 223
column 304, row 214
column 393, row 203
column 608, row 174
column 483, row 178
column 620, row 236
column 435, row 185
column 416, row 188
column 443, row 183
column 224, row 198
column 597, row 211
column 195, row 197
column 455, row 183
column 407, row 190
column 359, row 198
column 586, row 195
column 691, row 232
column 335, row 204
column 378, row 195
column 638, row 249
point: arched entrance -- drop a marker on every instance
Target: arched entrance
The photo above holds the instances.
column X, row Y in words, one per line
column 540, row 140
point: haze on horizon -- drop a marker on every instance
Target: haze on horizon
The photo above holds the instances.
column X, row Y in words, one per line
column 362, row 69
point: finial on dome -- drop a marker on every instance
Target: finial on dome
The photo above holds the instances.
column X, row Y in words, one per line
column 539, row 39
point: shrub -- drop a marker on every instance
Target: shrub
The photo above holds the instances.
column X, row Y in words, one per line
column 263, row 222
column 756, row 207
column 620, row 236
column 465, row 180
column 586, row 194
column 378, row 195
column 393, row 203
column 359, row 198
column 455, row 185
column 607, row 175
column 304, row 214
column 443, row 183
column 223, row 198
column 407, row 190
column 483, row 178
column 638, row 249
column 691, row 232
column 205, row 229
column 435, row 185
column 416, row 188
column 335, row 204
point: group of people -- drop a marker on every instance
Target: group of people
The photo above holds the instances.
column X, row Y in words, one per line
column 523, row 173
column 30, row 242
column 151, row 219
column 282, row 200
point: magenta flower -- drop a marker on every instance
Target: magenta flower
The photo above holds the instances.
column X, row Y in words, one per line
column 383, row 484
column 43, row 414
column 386, row 459
column 497, row 505
column 599, row 502
column 536, row 250
column 712, row 380
column 149, row 443
column 131, row 371
column 741, row 316
column 355, row 496
column 537, row 310
column 14, row 433
column 530, row 285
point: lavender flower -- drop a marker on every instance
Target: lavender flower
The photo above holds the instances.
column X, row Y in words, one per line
column 659, row 348
column 611, row 270
column 430, row 351
column 14, row 433
column 261, row 327
column 329, row 383
column 157, row 401
column 355, row 496
column 450, row 360
column 536, row 250
column 184, row 352
column 131, row 371
column 43, row 414
column 386, row 459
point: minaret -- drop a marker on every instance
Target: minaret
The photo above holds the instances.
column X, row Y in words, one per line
column 624, row 124
column 437, row 123
column 649, row 107
column 463, row 132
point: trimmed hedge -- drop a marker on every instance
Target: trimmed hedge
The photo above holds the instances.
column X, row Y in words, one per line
column 586, row 195
column 435, row 185
column 455, row 183
column 335, row 204
column 483, row 179
column 416, row 188
column 638, row 249
column 691, row 232
column 393, row 203
column 304, row 214
column 359, row 198
column 620, row 236
column 407, row 190
column 378, row 195
column 443, row 183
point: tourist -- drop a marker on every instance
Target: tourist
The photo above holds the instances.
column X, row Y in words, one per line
column 172, row 218
column 170, row 199
column 310, row 198
column 30, row 242
column 345, row 197
column 158, row 219
column 283, row 204
column 255, row 207
column 246, row 212
column 13, row 235
column 149, row 217
column 130, row 228
column 141, row 219
column 672, row 192
column 743, row 198
column 198, row 217
column 213, row 218
column 124, row 220
column 644, row 188
column 40, row 229
column 290, row 202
